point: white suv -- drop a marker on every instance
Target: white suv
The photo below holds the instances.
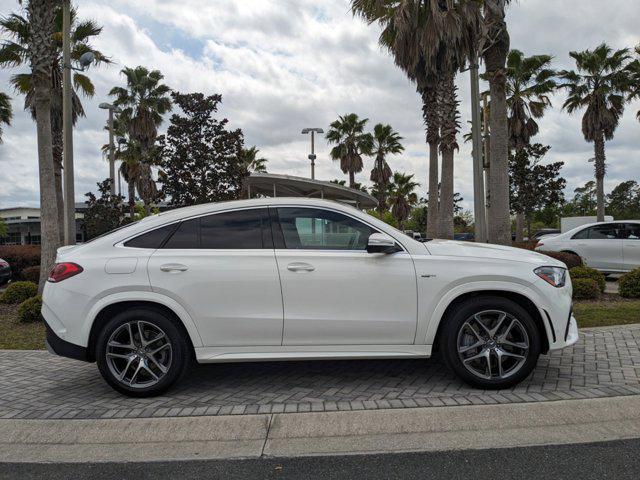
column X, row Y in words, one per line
column 612, row 247
column 291, row 279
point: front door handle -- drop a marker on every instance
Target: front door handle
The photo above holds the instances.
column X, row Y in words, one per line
column 300, row 267
column 174, row 267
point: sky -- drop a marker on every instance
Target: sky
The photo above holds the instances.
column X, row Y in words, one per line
column 282, row 65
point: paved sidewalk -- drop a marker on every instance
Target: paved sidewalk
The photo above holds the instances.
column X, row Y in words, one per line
column 36, row 385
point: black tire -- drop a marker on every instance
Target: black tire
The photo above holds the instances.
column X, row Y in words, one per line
column 449, row 340
column 175, row 336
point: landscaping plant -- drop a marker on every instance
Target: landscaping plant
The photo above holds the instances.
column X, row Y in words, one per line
column 586, row 272
column 18, row 292
column 29, row 310
column 629, row 284
column 585, row 289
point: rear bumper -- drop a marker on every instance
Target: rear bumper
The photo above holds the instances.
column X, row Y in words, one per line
column 58, row 346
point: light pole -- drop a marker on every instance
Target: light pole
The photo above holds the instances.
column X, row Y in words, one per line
column 479, row 205
column 112, row 148
column 67, row 123
column 312, row 156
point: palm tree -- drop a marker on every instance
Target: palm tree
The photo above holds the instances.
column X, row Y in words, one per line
column 143, row 103
column 494, row 45
column 529, row 84
column 599, row 85
column 385, row 142
column 351, row 142
column 430, row 41
column 5, row 111
column 402, row 197
column 15, row 53
column 634, row 77
column 41, row 56
column 251, row 162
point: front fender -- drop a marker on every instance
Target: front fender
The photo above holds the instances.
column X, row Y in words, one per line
column 432, row 321
column 142, row 296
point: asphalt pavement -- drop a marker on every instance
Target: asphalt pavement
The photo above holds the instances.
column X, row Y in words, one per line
column 617, row 460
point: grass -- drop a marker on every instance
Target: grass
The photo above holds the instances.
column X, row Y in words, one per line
column 19, row 336
column 610, row 310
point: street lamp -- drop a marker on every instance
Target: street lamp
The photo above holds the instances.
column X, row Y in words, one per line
column 85, row 60
column 112, row 149
column 312, row 156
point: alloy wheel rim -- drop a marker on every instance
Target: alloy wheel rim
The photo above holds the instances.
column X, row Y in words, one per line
column 139, row 354
column 493, row 345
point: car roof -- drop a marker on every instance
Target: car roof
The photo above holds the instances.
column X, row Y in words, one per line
column 593, row 224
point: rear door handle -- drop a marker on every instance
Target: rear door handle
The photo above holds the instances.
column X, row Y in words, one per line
column 300, row 267
column 174, row 267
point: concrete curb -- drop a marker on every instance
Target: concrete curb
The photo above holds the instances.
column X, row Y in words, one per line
column 286, row 435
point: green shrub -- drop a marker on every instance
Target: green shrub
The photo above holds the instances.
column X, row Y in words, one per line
column 629, row 284
column 571, row 260
column 592, row 273
column 18, row 292
column 20, row 257
column 29, row 310
column 585, row 289
column 31, row 274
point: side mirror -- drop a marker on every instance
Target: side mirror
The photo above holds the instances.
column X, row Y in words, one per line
column 381, row 243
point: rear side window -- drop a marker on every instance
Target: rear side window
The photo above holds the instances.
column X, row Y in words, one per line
column 153, row 239
column 611, row 231
column 241, row 229
column 186, row 236
column 632, row 231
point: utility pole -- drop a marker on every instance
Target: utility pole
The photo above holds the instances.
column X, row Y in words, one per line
column 67, row 128
column 487, row 153
column 67, row 123
column 312, row 156
column 479, row 210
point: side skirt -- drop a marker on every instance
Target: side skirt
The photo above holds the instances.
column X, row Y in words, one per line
column 307, row 352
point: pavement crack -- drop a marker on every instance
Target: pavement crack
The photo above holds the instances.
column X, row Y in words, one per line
column 266, row 437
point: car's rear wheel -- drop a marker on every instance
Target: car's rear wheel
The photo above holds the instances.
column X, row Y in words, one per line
column 141, row 352
column 490, row 342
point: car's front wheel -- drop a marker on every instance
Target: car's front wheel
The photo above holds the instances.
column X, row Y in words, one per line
column 141, row 352
column 491, row 342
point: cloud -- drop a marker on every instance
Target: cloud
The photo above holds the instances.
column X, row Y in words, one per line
column 282, row 65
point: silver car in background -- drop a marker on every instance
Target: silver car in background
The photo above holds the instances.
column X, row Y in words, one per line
column 611, row 247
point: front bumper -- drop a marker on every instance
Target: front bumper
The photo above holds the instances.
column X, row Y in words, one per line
column 63, row 348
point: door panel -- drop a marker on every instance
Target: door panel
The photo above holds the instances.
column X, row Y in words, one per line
column 631, row 246
column 334, row 292
column 222, row 269
column 349, row 298
column 600, row 246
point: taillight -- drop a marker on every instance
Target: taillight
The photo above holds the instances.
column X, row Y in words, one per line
column 539, row 244
column 62, row 271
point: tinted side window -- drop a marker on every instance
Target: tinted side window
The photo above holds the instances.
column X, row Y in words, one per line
column 152, row 239
column 605, row 232
column 186, row 236
column 581, row 235
column 632, row 231
column 317, row 229
column 242, row 229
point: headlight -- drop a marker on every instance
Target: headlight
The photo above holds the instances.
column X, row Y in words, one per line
column 553, row 275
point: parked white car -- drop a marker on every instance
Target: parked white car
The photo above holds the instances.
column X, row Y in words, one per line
column 611, row 247
column 292, row 279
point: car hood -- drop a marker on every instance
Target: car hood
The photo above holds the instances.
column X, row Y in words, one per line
column 485, row 250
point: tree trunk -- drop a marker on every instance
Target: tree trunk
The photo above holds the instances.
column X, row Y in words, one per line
column 445, row 229
column 448, row 101
column 57, row 165
column 41, row 55
column 131, row 186
column 520, row 220
column 431, row 119
column 600, row 172
column 352, row 179
column 495, row 57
